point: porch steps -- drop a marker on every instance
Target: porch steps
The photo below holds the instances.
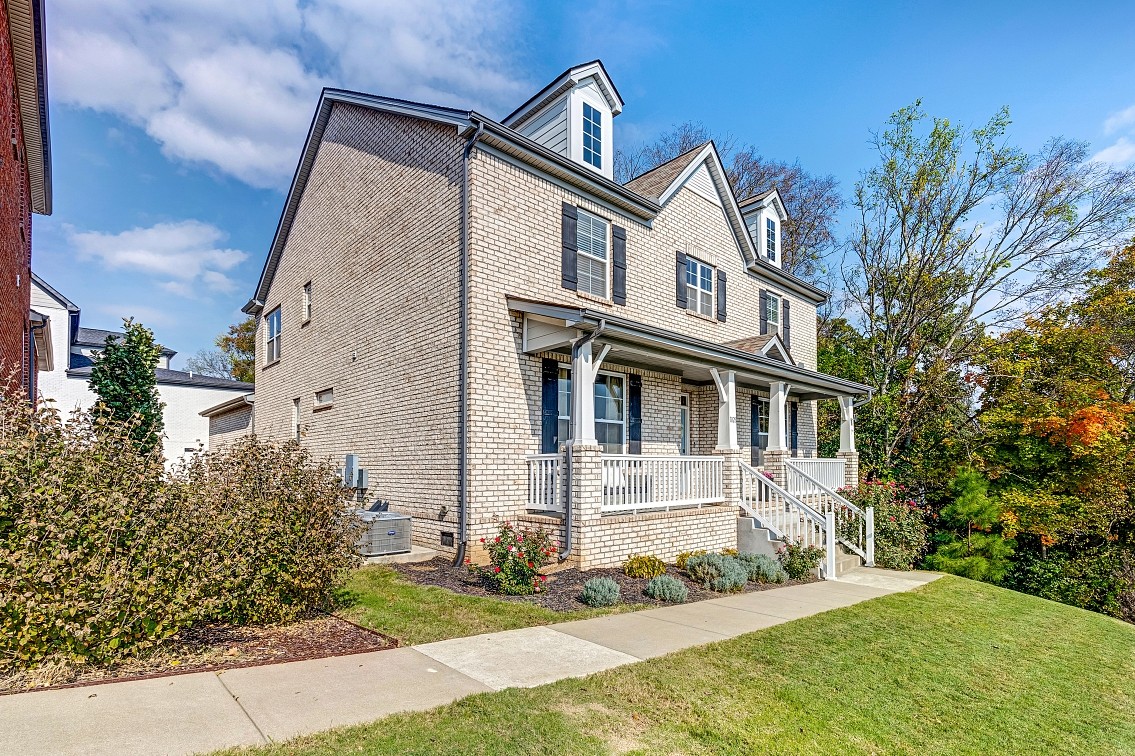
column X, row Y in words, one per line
column 753, row 538
column 846, row 562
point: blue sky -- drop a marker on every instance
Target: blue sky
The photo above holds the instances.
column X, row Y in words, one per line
column 176, row 124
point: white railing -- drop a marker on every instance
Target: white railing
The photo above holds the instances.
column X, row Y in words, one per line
column 814, row 473
column 783, row 514
column 638, row 483
column 855, row 527
column 546, row 482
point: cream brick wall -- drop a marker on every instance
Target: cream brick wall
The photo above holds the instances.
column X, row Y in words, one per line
column 226, row 428
column 377, row 234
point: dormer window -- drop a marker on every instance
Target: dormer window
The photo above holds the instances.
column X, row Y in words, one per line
column 770, row 239
column 592, row 136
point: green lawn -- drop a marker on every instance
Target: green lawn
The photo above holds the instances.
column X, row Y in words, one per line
column 955, row 667
column 379, row 598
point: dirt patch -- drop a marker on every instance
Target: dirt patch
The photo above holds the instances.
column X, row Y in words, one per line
column 213, row 647
column 562, row 588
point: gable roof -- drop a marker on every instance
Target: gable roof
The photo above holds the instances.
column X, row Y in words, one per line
column 764, row 198
column 26, row 31
column 657, row 180
column 96, row 337
column 764, row 346
column 562, row 83
column 50, row 291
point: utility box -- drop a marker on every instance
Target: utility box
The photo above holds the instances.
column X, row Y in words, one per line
column 386, row 533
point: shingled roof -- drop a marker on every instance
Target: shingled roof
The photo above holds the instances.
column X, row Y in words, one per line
column 657, row 180
column 752, row 344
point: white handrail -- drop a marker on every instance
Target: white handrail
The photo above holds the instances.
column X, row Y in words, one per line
column 828, row 471
column 856, row 528
column 637, row 482
column 786, row 516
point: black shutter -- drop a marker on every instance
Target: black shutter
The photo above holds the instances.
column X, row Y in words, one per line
column 618, row 265
column 721, row 295
column 681, row 271
column 785, row 326
column 634, row 414
column 549, row 405
column 763, row 306
column 794, row 427
column 569, row 272
column 754, row 431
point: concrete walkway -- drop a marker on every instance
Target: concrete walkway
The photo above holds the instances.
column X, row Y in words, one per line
column 206, row 711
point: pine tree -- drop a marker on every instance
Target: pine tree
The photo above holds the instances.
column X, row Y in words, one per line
column 973, row 548
column 123, row 377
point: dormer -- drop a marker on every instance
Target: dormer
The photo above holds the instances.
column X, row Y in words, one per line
column 572, row 116
column 764, row 218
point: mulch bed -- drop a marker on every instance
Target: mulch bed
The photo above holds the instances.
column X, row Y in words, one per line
column 563, row 586
column 214, row 647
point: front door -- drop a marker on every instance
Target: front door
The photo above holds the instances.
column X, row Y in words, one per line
column 759, row 430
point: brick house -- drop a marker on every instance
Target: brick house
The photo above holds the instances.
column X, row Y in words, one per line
column 25, row 186
column 500, row 331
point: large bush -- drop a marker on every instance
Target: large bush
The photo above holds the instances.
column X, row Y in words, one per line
column 723, row 574
column 762, row 568
column 901, row 532
column 515, row 559
column 103, row 555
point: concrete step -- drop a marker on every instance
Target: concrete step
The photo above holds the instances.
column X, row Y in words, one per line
column 845, row 563
column 754, row 539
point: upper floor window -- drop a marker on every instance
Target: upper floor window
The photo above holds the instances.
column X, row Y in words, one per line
column 772, row 312
column 273, row 325
column 770, row 238
column 591, row 260
column 592, row 136
column 699, row 287
column 307, row 301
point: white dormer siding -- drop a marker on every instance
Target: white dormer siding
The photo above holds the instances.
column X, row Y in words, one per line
column 702, row 184
column 550, row 127
column 764, row 220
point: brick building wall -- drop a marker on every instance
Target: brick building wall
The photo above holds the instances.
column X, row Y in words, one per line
column 228, row 427
column 377, row 234
column 15, row 226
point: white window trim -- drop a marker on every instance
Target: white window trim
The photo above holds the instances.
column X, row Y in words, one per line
column 693, row 303
column 306, row 303
column 272, row 343
column 772, row 254
column 317, row 404
column 774, row 325
column 684, row 428
column 621, row 423
column 606, row 295
column 598, row 123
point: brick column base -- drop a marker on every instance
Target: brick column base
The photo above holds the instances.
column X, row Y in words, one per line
column 730, row 475
column 774, row 462
column 850, row 468
column 586, row 499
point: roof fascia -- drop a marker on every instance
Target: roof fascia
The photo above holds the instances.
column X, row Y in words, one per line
column 28, row 37
column 776, row 342
column 52, row 292
column 562, row 83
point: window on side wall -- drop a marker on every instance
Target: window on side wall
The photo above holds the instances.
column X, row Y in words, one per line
column 592, row 136
column 307, row 301
column 772, row 312
column 324, row 398
column 591, row 254
column 273, row 326
column 770, row 239
column 699, row 287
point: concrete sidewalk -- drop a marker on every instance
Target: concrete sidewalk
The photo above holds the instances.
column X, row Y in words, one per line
column 206, row 711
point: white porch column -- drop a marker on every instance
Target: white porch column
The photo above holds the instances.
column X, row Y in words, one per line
column 584, row 368
column 726, row 409
column 777, row 425
column 847, row 424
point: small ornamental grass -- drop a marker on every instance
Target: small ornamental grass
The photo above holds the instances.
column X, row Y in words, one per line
column 762, row 568
column 799, row 560
column 666, row 588
column 644, row 566
column 717, row 573
column 682, row 558
column 600, row 592
column 515, row 559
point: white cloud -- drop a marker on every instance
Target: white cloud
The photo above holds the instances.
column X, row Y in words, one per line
column 233, row 85
column 1117, row 121
column 187, row 258
column 1119, row 154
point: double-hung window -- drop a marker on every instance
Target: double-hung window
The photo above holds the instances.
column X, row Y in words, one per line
column 770, row 239
column 610, row 410
column 273, row 324
column 772, row 312
column 592, row 136
column 591, row 257
column 699, row 287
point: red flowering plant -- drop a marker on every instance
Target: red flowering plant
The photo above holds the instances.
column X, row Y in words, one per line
column 901, row 529
column 515, row 559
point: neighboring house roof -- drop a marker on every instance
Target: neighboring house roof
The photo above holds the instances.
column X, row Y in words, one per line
column 177, row 378
column 562, row 83
column 657, row 180
column 229, row 405
column 26, row 31
column 506, row 140
column 52, row 292
column 96, row 337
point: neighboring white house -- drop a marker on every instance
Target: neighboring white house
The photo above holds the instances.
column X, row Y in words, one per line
column 73, row 348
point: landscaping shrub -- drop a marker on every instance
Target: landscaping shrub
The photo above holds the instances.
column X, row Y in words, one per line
column 682, row 558
column 600, row 592
column 762, row 568
column 799, row 560
column 901, row 531
column 729, row 552
column 717, row 573
column 515, row 559
column 666, row 588
column 102, row 555
column 644, row 566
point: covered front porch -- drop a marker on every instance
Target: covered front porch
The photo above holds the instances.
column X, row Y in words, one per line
column 648, row 425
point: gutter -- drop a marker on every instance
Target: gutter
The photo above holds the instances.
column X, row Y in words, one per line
column 463, row 359
column 575, row 345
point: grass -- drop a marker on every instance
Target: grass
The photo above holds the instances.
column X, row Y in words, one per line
column 379, row 598
column 955, row 667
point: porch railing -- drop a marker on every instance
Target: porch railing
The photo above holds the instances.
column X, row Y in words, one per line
column 546, row 482
column 855, row 527
column 638, row 483
column 787, row 517
column 814, row 473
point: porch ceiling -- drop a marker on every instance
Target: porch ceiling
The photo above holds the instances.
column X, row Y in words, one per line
column 550, row 327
